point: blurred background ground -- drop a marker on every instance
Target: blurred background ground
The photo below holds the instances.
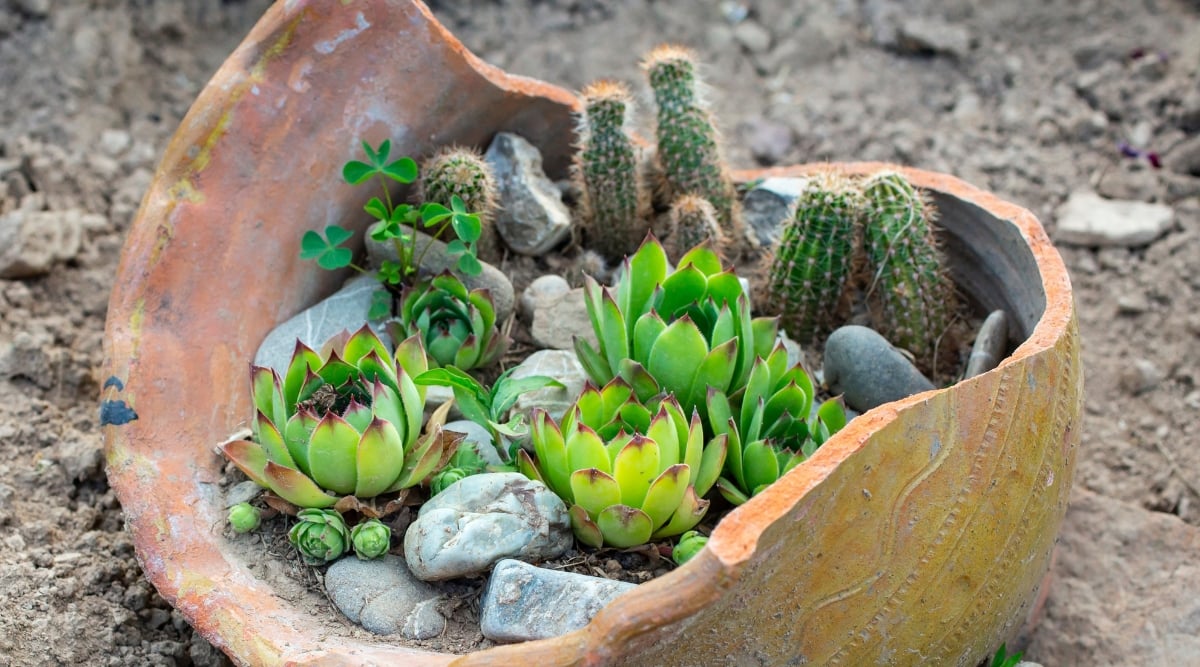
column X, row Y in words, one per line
column 1030, row 99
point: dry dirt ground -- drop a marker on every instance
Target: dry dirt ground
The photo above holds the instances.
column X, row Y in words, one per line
column 1028, row 98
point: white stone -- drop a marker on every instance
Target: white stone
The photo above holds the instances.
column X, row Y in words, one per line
column 561, row 365
column 1090, row 220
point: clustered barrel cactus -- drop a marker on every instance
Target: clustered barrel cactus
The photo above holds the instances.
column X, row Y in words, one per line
column 462, row 172
column 870, row 234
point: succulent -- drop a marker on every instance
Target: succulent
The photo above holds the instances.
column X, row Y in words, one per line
column 457, row 326
column 690, row 544
column 914, row 296
column 679, row 332
column 371, row 539
column 463, row 173
column 342, row 423
column 320, row 535
column 465, row 462
column 692, row 221
column 615, row 202
column 244, row 517
column 629, row 471
column 768, row 425
column 688, row 145
column 811, row 266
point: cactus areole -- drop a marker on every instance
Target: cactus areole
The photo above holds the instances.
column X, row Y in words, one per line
column 954, row 495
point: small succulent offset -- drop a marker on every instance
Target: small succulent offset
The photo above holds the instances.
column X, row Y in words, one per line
column 244, row 517
column 320, row 535
column 395, row 223
column 371, row 539
column 629, row 472
column 689, row 544
column 458, row 326
column 678, row 332
column 339, row 424
column 768, row 425
column 1003, row 659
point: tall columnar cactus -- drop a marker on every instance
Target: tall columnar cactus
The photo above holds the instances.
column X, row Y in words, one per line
column 615, row 202
column 906, row 281
column 692, row 221
column 462, row 172
column 810, row 269
column 688, row 143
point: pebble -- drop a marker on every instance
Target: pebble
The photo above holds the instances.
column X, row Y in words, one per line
column 795, row 353
column 766, row 206
column 1132, row 304
column 990, row 345
column 543, row 288
column 561, row 365
column 532, row 218
column 346, row 310
column 558, row 320
column 242, row 492
column 1184, row 158
column 32, row 241
column 523, row 602
column 1143, row 376
column 1132, row 180
column 483, row 519
column 752, row 36
column 920, row 36
column 383, row 596
column 1088, row 219
column 863, row 366
column 436, row 259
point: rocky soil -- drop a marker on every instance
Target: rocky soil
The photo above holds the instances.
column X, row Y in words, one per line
column 1033, row 100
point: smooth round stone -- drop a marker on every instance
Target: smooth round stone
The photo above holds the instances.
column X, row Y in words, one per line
column 863, row 366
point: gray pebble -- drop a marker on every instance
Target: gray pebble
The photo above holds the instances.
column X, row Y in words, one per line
column 482, row 519
column 532, row 218
column 543, row 289
column 384, row 597
column 242, row 492
column 561, row 365
column 345, row 310
column 523, row 602
column 558, row 320
column 990, row 345
column 863, row 366
column 1143, row 376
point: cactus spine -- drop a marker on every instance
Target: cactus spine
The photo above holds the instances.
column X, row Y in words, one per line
column 688, row 146
column 463, row 172
column 913, row 295
column 615, row 203
column 810, row 270
column 692, row 221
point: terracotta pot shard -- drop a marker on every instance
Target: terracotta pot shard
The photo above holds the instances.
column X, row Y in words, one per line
column 918, row 535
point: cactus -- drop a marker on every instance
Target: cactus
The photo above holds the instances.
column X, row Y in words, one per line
column 810, row 269
column 913, row 296
column 688, row 145
column 615, row 204
column 692, row 221
column 463, row 172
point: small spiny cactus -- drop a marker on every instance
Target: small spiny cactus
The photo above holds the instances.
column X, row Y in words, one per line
column 463, row 172
column 692, row 221
column 811, row 266
column 615, row 204
column 905, row 276
column 688, row 144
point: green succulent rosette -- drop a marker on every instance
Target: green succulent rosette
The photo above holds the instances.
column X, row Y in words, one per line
column 689, row 544
column 346, row 422
column 457, row 326
column 371, row 539
column 630, row 472
column 770, row 425
column 677, row 332
column 244, row 517
column 320, row 535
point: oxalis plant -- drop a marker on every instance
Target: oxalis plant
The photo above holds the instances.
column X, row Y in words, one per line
column 397, row 223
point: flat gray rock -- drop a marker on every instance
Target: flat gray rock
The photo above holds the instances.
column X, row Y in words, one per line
column 384, row 597
column 863, row 366
column 345, row 309
column 1088, row 219
column 532, row 217
column 483, row 519
column 544, row 289
column 558, row 320
column 523, row 602
column 33, row 240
